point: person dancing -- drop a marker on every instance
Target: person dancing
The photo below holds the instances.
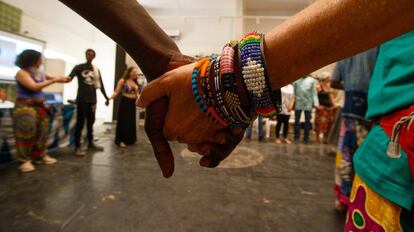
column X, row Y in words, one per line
column 126, row 125
column 31, row 116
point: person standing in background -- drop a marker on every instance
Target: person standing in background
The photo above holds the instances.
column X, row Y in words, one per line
column 126, row 125
column 288, row 100
column 30, row 116
column 353, row 75
column 259, row 129
column 89, row 80
column 306, row 98
column 325, row 112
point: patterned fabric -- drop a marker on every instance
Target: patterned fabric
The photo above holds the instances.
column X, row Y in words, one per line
column 368, row 211
column 62, row 126
column 389, row 177
column 323, row 119
column 390, row 90
column 61, row 130
column 351, row 136
column 31, row 125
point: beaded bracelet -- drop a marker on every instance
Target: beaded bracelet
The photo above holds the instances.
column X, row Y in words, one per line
column 228, row 86
column 221, row 106
column 216, row 100
column 205, row 89
column 276, row 95
column 254, row 76
column 194, row 84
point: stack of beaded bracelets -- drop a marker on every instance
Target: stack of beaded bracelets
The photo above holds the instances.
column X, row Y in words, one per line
column 202, row 89
column 234, row 87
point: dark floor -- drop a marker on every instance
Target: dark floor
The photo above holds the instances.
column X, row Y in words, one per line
column 262, row 187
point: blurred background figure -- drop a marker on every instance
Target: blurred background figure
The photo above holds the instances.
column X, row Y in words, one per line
column 4, row 103
column 353, row 75
column 126, row 132
column 249, row 129
column 306, row 98
column 288, row 100
column 3, row 95
column 325, row 112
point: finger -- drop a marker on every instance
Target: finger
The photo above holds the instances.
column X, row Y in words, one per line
column 154, row 123
column 152, row 92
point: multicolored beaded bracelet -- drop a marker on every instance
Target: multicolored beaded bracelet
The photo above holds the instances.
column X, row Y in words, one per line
column 253, row 72
column 276, row 94
column 228, row 87
column 194, row 85
column 221, row 106
column 216, row 100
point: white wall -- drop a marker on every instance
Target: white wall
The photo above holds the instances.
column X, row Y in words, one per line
column 105, row 60
column 70, row 47
column 205, row 30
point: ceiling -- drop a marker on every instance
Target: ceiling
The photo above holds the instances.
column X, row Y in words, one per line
column 57, row 14
column 274, row 7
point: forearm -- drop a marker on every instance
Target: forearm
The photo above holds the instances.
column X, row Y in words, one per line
column 49, row 77
column 104, row 92
column 43, row 84
column 128, row 24
column 328, row 31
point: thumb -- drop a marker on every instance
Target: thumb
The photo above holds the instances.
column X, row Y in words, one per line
column 152, row 92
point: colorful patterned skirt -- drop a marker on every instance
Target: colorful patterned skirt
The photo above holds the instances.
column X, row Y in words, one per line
column 323, row 119
column 31, row 125
column 351, row 135
column 368, row 211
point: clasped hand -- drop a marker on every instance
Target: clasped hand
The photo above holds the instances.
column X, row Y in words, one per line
column 185, row 122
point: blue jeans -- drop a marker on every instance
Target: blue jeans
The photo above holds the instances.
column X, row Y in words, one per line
column 308, row 125
column 259, row 130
